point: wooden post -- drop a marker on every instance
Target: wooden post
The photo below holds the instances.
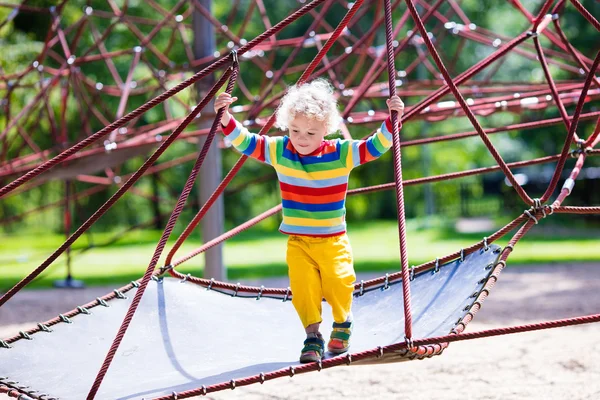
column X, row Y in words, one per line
column 210, row 173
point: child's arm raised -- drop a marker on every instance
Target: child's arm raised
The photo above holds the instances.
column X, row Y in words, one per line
column 363, row 151
column 261, row 148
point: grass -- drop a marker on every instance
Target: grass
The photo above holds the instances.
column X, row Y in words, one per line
column 256, row 254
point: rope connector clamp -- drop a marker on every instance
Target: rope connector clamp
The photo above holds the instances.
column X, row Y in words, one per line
column 237, row 287
column 260, row 292
column 486, row 247
column 386, row 285
column 409, row 342
column 165, row 268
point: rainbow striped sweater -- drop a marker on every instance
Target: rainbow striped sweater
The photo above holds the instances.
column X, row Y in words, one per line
column 313, row 186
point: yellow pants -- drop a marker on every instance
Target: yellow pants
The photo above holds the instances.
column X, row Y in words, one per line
column 320, row 268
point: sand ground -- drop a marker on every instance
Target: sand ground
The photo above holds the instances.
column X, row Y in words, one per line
column 561, row 363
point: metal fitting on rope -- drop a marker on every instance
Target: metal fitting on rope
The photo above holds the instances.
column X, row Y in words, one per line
column 581, row 149
column 319, row 365
column 349, row 359
column 44, row 328
column 232, row 384
column 537, row 207
column 526, row 212
column 569, row 185
column 212, row 280
column 164, row 269
column 260, row 292
column 234, row 57
column 135, row 284
column 379, row 352
column 292, row 371
column 237, row 287
column 386, row 282
column 102, row 302
column 411, row 277
column 203, row 388
column 462, row 255
column 485, row 244
column 185, row 278
column 362, row 288
column 409, row 342
column 119, row 294
column 437, row 266
column 287, row 293
column 25, row 335
column 174, row 395
column 83, row 310
column 262, row 378
column 65, row 319
column 532, row 34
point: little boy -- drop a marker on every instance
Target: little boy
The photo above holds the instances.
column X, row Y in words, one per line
column 313, row 178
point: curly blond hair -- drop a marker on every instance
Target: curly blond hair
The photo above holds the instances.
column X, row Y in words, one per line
column 314, row 100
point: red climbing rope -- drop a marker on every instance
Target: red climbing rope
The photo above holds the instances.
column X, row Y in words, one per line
column 398, row 174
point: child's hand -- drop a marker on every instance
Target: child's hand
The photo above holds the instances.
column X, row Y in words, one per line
column 395, row 104
column 224, row 100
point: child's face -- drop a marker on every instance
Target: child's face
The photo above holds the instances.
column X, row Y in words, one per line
column 306, row 134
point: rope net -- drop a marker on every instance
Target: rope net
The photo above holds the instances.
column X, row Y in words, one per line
column 343, row 52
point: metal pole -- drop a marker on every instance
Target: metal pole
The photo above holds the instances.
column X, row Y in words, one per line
column 210, row 173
